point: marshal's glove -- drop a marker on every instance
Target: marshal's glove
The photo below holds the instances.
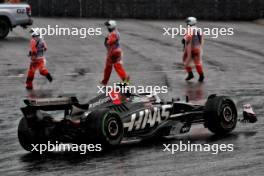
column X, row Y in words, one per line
column 183, row 41
column 29, row 54
column 105, row 42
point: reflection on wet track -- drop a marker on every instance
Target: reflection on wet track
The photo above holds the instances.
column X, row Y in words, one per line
column 229, row 71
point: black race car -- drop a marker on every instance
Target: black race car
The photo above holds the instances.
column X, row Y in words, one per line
column 119, row 117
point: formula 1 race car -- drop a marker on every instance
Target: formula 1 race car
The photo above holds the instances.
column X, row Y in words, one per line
column 111, row 119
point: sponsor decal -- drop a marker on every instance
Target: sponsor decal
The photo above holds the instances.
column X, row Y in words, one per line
column 141, row 119
column 21, row 11
column 114, row 97
column 100, row 101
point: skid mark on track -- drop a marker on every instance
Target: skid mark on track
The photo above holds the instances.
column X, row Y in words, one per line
column 137, row 54
column 161, row 42
column 167, row 82
column 82, row 71
column 237, row 47
column 13, row 72
column 216, row 64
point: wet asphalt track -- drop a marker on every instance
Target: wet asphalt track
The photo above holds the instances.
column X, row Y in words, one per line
column 233, row 66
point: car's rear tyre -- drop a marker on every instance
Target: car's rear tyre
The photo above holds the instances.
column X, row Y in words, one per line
column 220, row 114
column 4, row 29
column 26, row 135
column 105, row 127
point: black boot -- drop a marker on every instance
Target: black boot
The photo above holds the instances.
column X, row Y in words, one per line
column 49, row 77
column 201, row 78
column 190, row 76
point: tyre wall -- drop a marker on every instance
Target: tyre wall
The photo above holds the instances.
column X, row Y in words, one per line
column 151, row 9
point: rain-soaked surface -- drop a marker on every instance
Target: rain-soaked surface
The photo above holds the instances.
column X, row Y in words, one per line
column 233, row 66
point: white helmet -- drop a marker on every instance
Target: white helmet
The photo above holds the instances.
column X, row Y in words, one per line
column 35, row 32
column 111, row 24
column 191, row 21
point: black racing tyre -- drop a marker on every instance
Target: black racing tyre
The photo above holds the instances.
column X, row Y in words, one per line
column 26, row 135
column 220, row 114
column 105, row 127
column 4, row 29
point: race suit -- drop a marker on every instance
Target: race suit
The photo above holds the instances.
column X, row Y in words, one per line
column 193, row 42
column 38, row 61
column 113, row 58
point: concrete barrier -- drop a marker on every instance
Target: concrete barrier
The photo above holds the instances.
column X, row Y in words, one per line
column 151, row 9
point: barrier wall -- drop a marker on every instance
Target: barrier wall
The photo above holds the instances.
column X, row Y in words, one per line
column 151, row 9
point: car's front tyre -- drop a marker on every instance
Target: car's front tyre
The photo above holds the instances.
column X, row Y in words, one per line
column 220, row 114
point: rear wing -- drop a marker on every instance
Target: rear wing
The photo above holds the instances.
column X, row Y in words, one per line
column 51, row 104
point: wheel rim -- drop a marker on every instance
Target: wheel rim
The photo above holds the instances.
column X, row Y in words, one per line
column 113, row 127
column 227, row 113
